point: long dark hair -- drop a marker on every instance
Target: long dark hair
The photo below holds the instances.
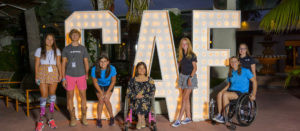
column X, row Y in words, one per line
column 230, row 68
column 98, row 68
column 138, row 65
column 43, row 46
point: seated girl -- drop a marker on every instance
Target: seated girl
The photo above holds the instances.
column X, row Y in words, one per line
column 140, row 90
column 238, row 83
column 104, row 79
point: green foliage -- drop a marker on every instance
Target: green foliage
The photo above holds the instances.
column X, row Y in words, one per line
column 135, row 10
column 284, row 17
column 292, row 74
column 176, row 23
column 52, row 11
column 10, row 56
column 91, row 46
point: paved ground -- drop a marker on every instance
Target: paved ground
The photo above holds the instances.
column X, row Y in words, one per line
column 278, row 110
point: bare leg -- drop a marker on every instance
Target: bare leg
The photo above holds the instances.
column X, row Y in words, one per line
column 219, row 101
column 100, row 105
column 183, row 104
column 43, row 99
column 70, row 95
column 108, row 104
column 82, row 94
column 187, row 101
column 227, row 96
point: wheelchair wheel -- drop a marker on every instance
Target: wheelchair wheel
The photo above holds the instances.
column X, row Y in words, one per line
column 246, row 111
column 212, row 108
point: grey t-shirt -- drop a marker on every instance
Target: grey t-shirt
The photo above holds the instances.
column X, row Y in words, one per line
column 75, row 64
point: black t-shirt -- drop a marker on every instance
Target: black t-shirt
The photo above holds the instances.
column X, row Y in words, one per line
column 186, row 64
column 247, row 61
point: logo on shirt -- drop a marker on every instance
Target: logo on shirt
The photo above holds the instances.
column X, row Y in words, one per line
column 76, row 51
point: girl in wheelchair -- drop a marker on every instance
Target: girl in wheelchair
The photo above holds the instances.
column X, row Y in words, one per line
column 141, row 90
column 238, row 83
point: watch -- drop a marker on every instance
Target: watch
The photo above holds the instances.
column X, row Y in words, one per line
column 191, row 77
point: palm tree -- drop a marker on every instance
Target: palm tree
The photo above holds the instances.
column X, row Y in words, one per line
column 283, row 18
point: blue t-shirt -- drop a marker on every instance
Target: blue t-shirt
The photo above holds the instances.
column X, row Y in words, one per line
column 104, row 81
column 240, row 82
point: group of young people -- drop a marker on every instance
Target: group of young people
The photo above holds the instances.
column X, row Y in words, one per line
column 71, row 67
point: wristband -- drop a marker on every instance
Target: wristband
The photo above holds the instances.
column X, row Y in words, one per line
column 63, row 79
column 190, row 77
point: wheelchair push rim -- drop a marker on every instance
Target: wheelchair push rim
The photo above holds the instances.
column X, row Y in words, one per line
column 246, row 111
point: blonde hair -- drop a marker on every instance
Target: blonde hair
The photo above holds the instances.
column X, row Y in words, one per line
column 247, row 52
column 189, row 49
column 73, row 31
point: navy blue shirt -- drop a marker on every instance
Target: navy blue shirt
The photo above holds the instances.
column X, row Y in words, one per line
column 186, row 64
column 247, row 61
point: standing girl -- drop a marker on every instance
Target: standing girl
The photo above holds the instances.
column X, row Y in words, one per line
column 104, row 80
column 245, row 58
column 47, row 75
column 187, row 79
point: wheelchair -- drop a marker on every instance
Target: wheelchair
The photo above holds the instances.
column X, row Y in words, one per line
column 243, row 108
column 128, row 115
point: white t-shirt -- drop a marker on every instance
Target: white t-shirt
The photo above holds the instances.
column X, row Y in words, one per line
column 50, row 59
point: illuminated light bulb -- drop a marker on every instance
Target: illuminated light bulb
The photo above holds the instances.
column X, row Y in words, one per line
column 196, row 31
column 166, row 30
column 100, row 23
column 211, row 23
column 115, row 31
column 203, row 61
column 196, row 38
column 203, row 98
column 107, row 16
column 196, row 15
column 115, row 38
column 196, row 23
column 203, row 76
column 210, row 54
column 211, row 15
column 196, row 46
column 149, row 46
column 173, row 69
column 107, row 39
column 108, row 31
column 165, row 23
column 152, row 30
column 172, row 106
column 204, row 47
column 226, row 23
column 145, row 31
column 203, row 53
column 219, row 16
column 85, row 24
column 218, row 23
column 217, row 61
column 142, row 38
column 204, row 31
column 203, row 16
column 150, row 38
column 161, row 45
column 163, row 54
column 148, row 54
column 203, row 91
column 107, row 23
column 210, row 62
column 226, row 16
column 100, row 16
column 234, row 16
column 93, row 24
column 158, row 31
column 203, row 23
column 147, row 61
column 203, row 68
column 217, row 53
column 155, row 16
column 169, row 46
column 71, row 24
column 147, row 15
column 146, row 23
column 78, row 16
column 142, row 46
column 197, row 107
column 196, row 91
column 224, row 54
column 85, row 16
column 167, row 38
column 92, row 16
column 78, row 24
column 233, row 23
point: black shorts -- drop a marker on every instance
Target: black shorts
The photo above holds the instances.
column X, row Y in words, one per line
column 104, row 88
column 237, row 92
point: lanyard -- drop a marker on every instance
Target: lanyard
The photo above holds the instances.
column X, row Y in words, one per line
column 51, row 54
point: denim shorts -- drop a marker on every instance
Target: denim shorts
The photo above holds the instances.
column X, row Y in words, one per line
column 183, row 80
column 104, row 88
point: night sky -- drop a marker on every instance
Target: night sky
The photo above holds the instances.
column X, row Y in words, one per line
column 121, row 7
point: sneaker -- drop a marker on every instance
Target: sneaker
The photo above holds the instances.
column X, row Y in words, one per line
column 111, row 121
column 99, row 123
column 216, row 117
column 52, row 124
column 176, row 123
column 186, row 121
column 219, row 119
column 39, row 126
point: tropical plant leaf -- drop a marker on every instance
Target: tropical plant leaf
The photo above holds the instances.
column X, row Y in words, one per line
column 284, row 17
column 293, row 73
